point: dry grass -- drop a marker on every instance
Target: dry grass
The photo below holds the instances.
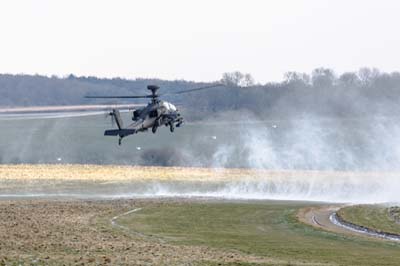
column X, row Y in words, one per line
column 137, row 173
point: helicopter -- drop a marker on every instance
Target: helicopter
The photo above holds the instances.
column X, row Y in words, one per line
column 155, row 114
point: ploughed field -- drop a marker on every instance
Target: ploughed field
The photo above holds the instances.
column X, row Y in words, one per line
column 51, row 232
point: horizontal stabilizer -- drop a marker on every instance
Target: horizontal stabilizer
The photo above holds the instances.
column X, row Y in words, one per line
column 119, row 132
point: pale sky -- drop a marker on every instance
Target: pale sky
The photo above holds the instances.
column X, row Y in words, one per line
column 197, row 40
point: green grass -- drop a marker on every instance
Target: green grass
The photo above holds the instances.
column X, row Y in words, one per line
column 372, row 216
column 267, row 229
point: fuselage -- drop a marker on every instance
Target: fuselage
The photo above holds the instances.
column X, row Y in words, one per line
column 156, row 113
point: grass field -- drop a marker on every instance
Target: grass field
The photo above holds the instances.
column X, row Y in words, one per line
column 52, row 227
column 376, row 217
column 176, row 232
column 266, row 229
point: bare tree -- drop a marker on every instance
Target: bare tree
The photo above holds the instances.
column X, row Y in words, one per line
column 237, row 78
column 323, row 77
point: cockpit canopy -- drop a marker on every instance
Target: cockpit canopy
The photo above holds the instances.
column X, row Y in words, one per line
column 169, row 106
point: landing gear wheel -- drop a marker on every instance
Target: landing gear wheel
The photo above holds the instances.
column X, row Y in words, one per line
column 171, row 127
column 119, row 141
column 154, row 129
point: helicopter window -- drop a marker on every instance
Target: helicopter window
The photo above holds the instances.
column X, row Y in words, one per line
column 153, row 114
column 169, row 106
column 172, row 107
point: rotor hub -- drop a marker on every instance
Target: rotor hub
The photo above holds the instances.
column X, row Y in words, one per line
column 153, row 89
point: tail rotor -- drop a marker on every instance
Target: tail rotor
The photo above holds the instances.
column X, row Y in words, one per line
column 110, row 114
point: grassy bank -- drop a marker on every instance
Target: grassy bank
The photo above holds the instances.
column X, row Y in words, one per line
column 267, row 229
column 377, row 217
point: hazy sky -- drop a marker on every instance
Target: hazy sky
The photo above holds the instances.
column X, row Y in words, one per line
column 197, row 40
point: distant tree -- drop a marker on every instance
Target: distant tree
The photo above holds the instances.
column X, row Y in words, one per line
column 71, row 76
column 367, row 75
column 323, row 78
column 349, row 79
column 248, row 81
column 237, row 78
column 396, row 76
column 296, row 78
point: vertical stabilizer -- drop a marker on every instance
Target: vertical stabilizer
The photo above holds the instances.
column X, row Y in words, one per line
column 118, row 119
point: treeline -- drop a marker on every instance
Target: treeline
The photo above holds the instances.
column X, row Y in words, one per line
column 367, row 92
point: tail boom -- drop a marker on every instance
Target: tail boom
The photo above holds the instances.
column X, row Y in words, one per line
column 118, row 118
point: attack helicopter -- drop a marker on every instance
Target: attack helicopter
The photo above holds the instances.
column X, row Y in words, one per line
column 155, row 114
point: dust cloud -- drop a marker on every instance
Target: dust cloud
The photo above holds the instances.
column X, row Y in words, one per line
column 232, row 140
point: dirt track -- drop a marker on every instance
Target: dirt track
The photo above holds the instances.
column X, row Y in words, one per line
column 320, row 217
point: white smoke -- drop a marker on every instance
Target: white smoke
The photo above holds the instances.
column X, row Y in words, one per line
column 352, row 145
column 312, row 144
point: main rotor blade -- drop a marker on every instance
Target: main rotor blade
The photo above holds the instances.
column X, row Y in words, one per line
column 155, row 95
column 66, row 108
column 195, row 89
column 119, row 97
column 54, row 115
